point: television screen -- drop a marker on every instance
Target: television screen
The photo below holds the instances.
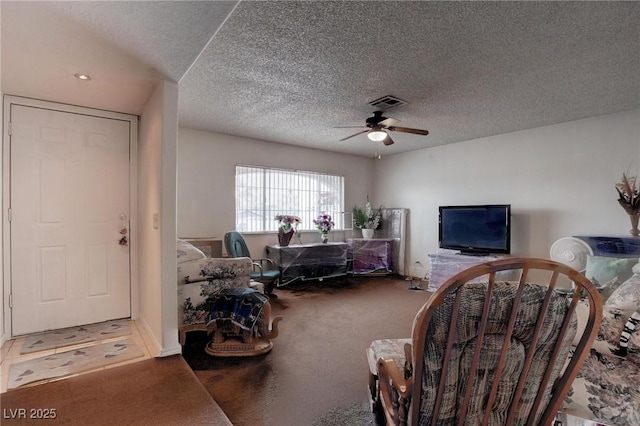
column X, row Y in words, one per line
column 475, row 229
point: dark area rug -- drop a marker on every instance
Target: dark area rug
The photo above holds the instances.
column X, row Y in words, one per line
column 317, row 372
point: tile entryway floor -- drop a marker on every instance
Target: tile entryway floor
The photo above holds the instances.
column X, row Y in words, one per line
column 10, row 353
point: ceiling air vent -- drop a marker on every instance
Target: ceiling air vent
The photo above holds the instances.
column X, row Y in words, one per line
column 387, row 102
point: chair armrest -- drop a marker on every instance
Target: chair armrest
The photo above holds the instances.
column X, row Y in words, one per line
column 408, row 361
column 388, row 372
column 395, row 391
column 188, row 280
column 265, row 259
column 229, row 272
column 257, row 265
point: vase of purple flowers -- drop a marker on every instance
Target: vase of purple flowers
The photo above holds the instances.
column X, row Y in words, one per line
column 324, row 224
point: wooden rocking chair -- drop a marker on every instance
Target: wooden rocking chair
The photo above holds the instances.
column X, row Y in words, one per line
column 490, row 352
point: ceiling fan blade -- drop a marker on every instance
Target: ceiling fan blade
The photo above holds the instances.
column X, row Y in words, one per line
column 387, row 141
column 388, row 122
column 408, row 130
column 356, row 134
column 348, row 127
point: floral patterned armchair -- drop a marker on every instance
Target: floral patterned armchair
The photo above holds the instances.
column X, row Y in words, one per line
column 206, row 289
column 606, row 389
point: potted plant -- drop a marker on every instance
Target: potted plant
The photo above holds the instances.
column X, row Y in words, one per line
column 629, row 199
column 367, row 219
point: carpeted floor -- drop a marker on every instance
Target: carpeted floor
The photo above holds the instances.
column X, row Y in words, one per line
column 158, row 391
column 315, row 375
column 317, row 370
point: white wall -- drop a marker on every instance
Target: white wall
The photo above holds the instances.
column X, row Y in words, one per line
column 3, row 335
column 157, row 198
column 558, row 179
column 206, row 180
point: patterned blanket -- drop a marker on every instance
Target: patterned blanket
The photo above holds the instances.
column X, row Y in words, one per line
column 240, row 305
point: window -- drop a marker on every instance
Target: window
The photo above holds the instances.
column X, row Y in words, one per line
column 263, row 193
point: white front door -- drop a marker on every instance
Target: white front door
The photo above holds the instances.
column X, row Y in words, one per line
column 69, row 179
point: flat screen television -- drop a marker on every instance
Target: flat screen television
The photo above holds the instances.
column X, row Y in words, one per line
column 476, row 230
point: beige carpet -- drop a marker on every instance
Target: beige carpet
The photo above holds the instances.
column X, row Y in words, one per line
column 158, row 392
column 318, row 367
column 316, row 373
column 354, row 414
column 75, row 335
column 71, row 362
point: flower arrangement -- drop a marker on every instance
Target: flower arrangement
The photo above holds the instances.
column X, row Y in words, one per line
column 324, row 223
column 287, row 222
column 629, row 194
column 367, row 217
column 287, row 226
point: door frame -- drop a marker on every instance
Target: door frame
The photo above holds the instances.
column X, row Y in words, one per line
column 9, row 100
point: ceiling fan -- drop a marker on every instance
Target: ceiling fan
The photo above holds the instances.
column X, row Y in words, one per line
column 378, row 127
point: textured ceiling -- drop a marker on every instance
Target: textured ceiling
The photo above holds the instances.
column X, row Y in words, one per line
column 291, row 72
column 126, row 47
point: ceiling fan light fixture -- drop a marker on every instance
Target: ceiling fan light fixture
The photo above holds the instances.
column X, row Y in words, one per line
column 376, row 134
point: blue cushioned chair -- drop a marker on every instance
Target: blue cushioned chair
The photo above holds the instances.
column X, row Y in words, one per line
column 264, row 271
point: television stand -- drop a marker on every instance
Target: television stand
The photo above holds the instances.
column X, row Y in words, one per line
column 473, row 254
column 445, row 264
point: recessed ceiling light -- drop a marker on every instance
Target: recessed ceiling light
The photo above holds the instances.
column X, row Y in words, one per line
column 84, row 77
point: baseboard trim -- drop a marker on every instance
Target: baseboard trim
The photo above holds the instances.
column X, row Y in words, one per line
column 157, row 346
column 159, row 350
column 169, row 352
